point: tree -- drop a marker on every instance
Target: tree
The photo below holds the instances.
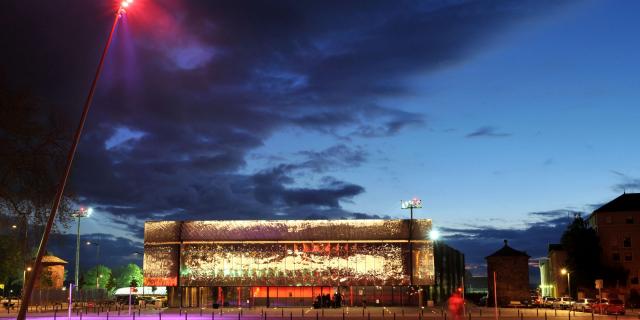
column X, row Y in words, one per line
column 33, row 145
column 127, row 274
column 90, row 277
column 11, row 263
column 111, row 284
column 582, row 245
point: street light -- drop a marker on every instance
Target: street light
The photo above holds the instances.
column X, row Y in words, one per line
column 22, row 313
column 98, row 275
column 78, row 214
column 563, row 272
column 24, row 276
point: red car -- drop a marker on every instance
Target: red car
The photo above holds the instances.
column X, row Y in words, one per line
column 608, row 306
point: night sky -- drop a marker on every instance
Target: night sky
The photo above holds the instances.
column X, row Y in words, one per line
column 505, row 117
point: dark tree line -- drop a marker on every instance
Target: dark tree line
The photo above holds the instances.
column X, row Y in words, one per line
column 33, row 144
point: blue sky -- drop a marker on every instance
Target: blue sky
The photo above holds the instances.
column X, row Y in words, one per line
column 505, row 117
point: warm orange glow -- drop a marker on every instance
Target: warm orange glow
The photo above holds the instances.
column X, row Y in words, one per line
column 563, row 271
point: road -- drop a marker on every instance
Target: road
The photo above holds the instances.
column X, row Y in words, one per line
column 370, row 313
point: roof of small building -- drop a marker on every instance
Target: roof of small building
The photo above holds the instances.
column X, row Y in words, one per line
column 625, row 202
column 51, row 259
column 507, row 251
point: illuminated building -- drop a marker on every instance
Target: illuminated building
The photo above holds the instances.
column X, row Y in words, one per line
column 291, row 262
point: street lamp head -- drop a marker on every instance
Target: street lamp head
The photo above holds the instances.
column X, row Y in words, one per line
column 14, row 226
column 88, row 243
column 563, row 271
column 434, row 234
column 28, row 268
column 83, row 212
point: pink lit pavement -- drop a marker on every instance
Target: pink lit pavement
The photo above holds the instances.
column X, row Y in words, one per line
column 376, row 313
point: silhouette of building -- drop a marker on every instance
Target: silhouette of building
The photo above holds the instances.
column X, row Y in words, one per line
column 511, row 269
column 618, row 226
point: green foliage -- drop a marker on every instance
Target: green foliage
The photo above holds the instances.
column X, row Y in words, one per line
column 10, row 263
column 111, row 284
column 128, row 273
column 89, row 277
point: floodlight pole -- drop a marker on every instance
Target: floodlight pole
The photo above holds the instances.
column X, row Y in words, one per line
column 414, row 203
column 24, row 304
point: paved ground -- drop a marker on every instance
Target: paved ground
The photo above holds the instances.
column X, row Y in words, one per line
column 370, row 313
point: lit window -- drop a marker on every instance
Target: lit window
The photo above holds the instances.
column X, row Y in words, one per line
column 615, row 256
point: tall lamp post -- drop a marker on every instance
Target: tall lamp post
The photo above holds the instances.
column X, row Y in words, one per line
column 563, row 272
column 22, row 313
column 98, row 275
column 79, row 214
column 24, row 276
column 414, row 203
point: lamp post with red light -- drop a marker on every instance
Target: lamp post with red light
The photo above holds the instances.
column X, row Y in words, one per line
column 22, row 313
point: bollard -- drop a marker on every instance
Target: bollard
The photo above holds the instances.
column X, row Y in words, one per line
column 521, row 315
column 186, row 314
column 282, row 313
column 55, row 314
column 469, row 315
column 445, row 316
column 545, row 315
column 238, row 315
column 591, row 313
column 290, row 315
column 160, row 315
column 569, row 314
column 555, row 312
column 213, row 315
column 369, row 315
column 394, row 316
column 342, row 314
column 80, row 315
column 107, row 314
column 134, row 315
column 316, row 315
column 536, row 312
column 302, row 313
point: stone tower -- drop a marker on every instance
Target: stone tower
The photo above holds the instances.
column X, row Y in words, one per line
column 511, row 268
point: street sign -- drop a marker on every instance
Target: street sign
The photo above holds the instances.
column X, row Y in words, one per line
column 599, row 284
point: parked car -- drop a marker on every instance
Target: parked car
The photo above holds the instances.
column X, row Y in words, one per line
column 563, row 303
column 608, row 306
column 547, row 302
column 583, row 305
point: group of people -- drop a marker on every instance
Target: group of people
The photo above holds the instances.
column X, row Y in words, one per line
column 325, row 301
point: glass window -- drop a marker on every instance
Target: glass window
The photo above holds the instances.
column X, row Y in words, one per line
column 627, row 242
column 628, row 256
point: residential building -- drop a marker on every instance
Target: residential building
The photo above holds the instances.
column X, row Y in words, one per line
column 618, row 226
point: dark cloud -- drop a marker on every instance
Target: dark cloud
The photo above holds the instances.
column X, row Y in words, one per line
column 626, row 184
column 190, row 89
column 480, row 241
column 487, row 132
